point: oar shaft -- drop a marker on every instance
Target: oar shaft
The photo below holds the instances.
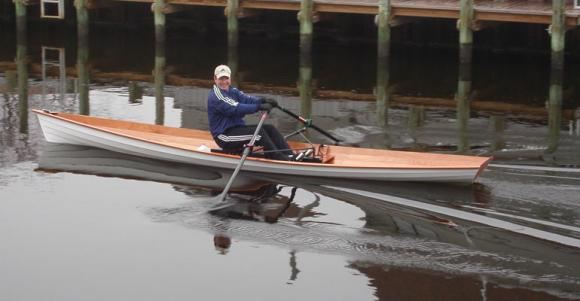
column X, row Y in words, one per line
column 308, row 124
column 245, row 154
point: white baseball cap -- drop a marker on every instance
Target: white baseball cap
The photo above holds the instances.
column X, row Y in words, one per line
column 222, row 70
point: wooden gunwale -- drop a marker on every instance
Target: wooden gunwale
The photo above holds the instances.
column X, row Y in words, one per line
column 344, row 156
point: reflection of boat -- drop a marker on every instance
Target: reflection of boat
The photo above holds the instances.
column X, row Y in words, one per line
column 89, row 160
column 424, row 241
column 186, row 146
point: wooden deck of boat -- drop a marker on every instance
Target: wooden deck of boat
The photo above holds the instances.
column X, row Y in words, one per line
column 520, row 11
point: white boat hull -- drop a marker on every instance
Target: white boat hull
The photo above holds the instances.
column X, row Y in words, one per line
column 57, row 130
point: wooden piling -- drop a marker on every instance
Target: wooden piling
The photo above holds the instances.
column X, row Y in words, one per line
column 232, row 16
column 465, row 30
column 21, row 16
column 384, row 29
column 159, row 20
column 159, row 71
column 82, row 18
column 233, row 64
column 306, row 26
column 558, row 33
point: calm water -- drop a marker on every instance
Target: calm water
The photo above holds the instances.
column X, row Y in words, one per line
column 85, row 224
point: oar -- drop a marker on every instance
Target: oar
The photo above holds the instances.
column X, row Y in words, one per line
column 247, row 150
column 308, row 123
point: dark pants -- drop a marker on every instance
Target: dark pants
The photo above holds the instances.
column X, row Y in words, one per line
column 234, row 139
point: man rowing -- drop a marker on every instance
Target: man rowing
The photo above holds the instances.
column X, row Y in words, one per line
column 226, row 108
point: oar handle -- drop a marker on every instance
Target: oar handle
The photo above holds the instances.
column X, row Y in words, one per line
column 308, row 123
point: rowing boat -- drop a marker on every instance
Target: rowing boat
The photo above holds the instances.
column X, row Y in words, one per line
column 197, row 147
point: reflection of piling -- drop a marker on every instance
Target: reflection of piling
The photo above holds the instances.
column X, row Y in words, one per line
column 465, row 31
column 498, row 129
column 159, row 75
column 135, row 92
column 383, row 50
column 22, row 64
column 305, row 17
column 463, row 106
column 383, row 97
column 554, row 109
column 83, row 56
column 558, row 33
column 416, row 121
column 305, row 76
column 158, row 8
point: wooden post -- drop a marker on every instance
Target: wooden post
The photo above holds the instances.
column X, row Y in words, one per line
column 465, row 31
column 232, row 15
column 558, row 33
column 21, row 16
column 159, row 72
column 22, row 64
column 463, row 106
column 82, row 18
column 83, row 56
column 306, row 27
column 554, row 108
column 159, row 17
column 384, row 30
column 233, row 64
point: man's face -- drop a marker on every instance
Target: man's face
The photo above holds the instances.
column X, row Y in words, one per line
column 223, row 82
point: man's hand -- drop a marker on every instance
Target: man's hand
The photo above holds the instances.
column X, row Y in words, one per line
column 265, row 107
column 271, row 101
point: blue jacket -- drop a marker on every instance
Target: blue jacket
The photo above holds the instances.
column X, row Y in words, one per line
column 227, row 108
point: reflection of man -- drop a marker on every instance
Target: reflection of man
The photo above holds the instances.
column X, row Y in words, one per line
column 222, row 243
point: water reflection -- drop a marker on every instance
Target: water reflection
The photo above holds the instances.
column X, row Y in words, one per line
column 22, row 70
column 400, row 239
column 395, row 238
column 383, row 97
column 159, row 77
column 83, row 82
column 554, row 111
column 88, row 160
column 463, row 99
column 305, row 77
